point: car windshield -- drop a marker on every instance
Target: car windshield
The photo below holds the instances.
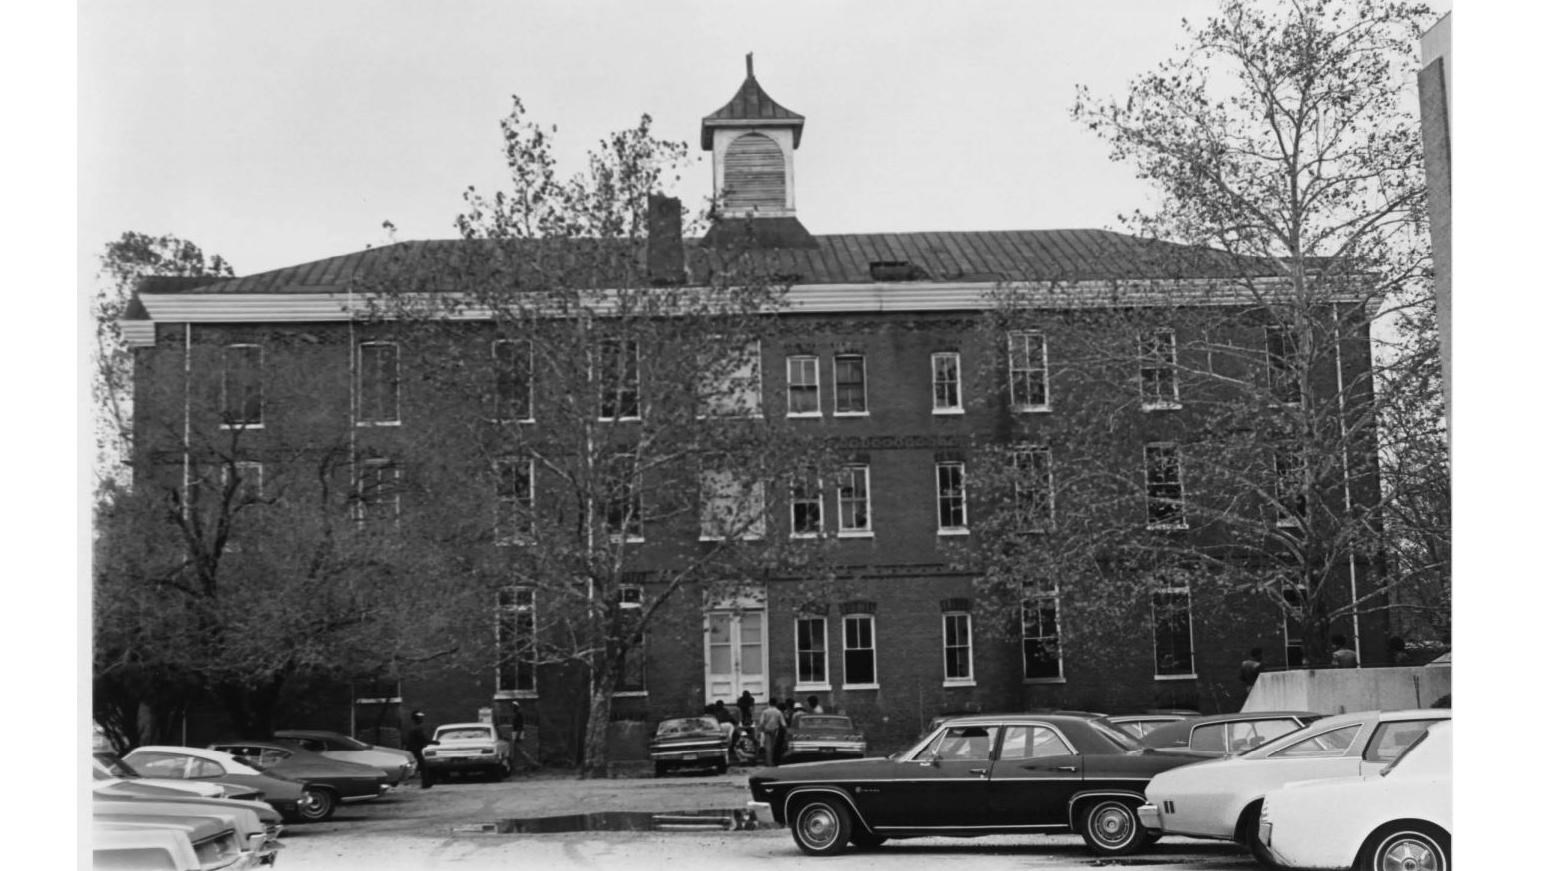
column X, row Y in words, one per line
column 826, row 723
column 687, row 725
column 463, row 733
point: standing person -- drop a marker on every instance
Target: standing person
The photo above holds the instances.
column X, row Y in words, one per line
column 811, row 705
column 417, row 741
column 1343, row 657
column 744, row 703
column 770, row 723
column 1251, row 666
column 518, row 723
column 1397, row 652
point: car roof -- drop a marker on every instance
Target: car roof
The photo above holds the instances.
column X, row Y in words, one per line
column 464, row 726
column 202, row 752
column 1181, row 729
column 308, row 733
column 1063, row 717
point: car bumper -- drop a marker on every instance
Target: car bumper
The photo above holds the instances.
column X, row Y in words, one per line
column 1149, row 816
column 371, row 796
column 825, row 748
column 442, row 763
column 698, row 755
column 762, row 812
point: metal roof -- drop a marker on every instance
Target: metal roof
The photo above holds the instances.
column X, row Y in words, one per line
column 750, row 106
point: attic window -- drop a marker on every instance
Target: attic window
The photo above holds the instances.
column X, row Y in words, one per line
column 895, row 270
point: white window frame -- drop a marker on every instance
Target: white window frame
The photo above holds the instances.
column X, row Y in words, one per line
column 751, row 370
column 517, row 607
column 1029, row 453
column 1022, row 404
column 499, row 401
column 378, row 464
column 845, row 474
column 966, row 619
column 814, row 385
column 953, row 385
column 397, row 385
column 519, row 533
column 869, row 620
column 631, row 597
column 1155, row 629
column 1158, row 354
column 738, row 493
column 813, row 499
column 225, row 387
column 1282, row 374
column 1288, row 463
column 943, row 497
column 635, row 495
column 618, row 390
column 865, row 399
column 1181, row 520
column 826, row 682
column 250, row 473
column 1033, row 592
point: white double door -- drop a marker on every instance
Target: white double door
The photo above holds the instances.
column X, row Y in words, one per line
column 736, row 655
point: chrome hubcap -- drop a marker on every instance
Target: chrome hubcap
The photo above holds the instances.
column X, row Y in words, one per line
column 818, row 826
column 1113, row 825
column 1409, row 854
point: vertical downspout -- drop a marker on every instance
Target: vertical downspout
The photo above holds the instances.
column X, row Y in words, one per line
column 187, row 401
column 1343, row 431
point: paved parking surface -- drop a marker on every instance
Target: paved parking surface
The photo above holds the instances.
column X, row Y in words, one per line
column 414, row 829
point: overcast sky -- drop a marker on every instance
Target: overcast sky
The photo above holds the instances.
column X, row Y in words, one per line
column 279, row 132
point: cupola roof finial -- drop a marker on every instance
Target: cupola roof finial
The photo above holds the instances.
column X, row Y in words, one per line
column 749, row 65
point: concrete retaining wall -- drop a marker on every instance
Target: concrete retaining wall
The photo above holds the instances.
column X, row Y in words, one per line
column 1337, row 691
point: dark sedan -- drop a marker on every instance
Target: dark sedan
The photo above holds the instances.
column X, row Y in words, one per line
column 822, row 736
column 328, row 781
column 686, row 742
column 980, row 775
column 1225, row 734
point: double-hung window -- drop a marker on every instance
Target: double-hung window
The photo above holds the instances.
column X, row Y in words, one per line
column 1283, row 351
column 1040, row 656
column 1289, row 488
column 1164, row 508
column 730, row 506
column 854, row 500
column 849, row 384
column 631, row 605
column 1034, row 502
column 1158, row 370
column 516, row 642
column 802, row 386
column 1028, row 371
column 1171, row 609
column 624, row 507
column 619, row 377
column 951, row 498
column 859, row 651
column 946, row 382
column 811, row 653
column 512, row 380
column 730, row 380
column 376, row 494
column 242, row 386
column 805, row 505
column 377, row 390
column 513, row 501
column 957, row 647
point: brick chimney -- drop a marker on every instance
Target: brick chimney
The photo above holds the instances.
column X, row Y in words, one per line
column 664, row 251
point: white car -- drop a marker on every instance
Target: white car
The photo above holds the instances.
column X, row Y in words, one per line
column 1399, row 818
column 1220, row 798
column 462, row 747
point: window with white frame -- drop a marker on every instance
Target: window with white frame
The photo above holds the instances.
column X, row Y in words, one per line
column 1158, row 370
column 1295, row 646
column 957, row 646
column 802, row 386
column 1282, row 349
column 249, row 481
column 516, row 641
column 618, row 373
column 730, row 506
column 854, row 500
column 631, row 605
column 859, row 650
column 811, row 653
column 1289, row 488
column 377, row 493
column 951, row 497
column 946, row 382
column 377, row 390
column 1041, row 658
column 1033, row 488
column 731, row 380
column 849, row 384
column 512, row 380
column 1164, row 507
column 1028, row 371
column 513, row 500
column 242, row 386
column 624, row 506
column 805, row 505
column 1171, row 609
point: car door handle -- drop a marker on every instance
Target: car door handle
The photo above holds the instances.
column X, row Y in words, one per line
column 1066, row 768
column 978, row 771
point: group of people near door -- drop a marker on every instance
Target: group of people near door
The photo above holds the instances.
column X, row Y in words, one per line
column 768, row 727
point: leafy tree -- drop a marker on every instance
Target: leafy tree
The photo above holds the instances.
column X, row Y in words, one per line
column 1287, row 165
column 598, row 402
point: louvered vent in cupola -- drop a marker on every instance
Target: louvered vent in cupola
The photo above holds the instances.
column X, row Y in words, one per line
column 754, row 175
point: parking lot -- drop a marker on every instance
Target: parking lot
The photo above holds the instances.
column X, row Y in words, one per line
column 469, row 826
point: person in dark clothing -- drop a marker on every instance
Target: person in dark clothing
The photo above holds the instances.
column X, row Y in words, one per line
column 418, row 740
column 1251, row 666
column 518, row 722
column 1343, row 657
column 745, row 703
column 1397, row 652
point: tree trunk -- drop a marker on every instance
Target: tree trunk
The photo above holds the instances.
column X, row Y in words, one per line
column 599, row 716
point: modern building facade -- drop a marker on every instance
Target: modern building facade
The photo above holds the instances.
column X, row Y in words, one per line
column 894, row 363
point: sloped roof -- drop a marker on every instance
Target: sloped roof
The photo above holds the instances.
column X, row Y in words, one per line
column 751, row 104
column 957, row 256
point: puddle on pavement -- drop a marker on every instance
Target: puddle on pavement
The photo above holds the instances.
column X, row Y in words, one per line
column 1124, row 863
column 738, row 820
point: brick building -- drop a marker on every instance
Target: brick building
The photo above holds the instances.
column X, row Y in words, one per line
column 893, row 361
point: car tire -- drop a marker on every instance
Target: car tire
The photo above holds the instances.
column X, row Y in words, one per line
column 1413, row 844
column 661, row 769
column 1248, row 836
column 821, row 826
column 723, row 764
column 1110, row 827
column 865, row 839
column 317, row 804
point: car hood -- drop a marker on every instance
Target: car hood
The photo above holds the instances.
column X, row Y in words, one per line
column 323, row 769
column 826, row 768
